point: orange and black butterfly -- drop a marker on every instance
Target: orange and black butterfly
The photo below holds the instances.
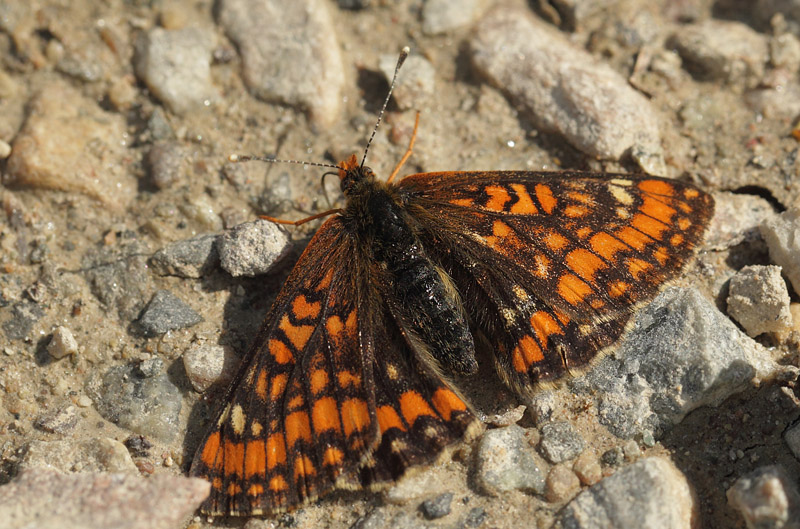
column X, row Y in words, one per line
column 346, row 383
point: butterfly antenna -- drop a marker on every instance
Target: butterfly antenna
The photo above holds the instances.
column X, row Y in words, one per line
column 400, row 60
column 236, row 158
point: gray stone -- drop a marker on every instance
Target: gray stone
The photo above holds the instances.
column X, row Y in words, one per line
column 149, row 368
column 681, row 354
column 176, row 66
column 560, row 442
column 158, row 125
column 250, row 249
column 149, row 406
column 505, row 461
column 289, row 53
column 441, row 16
column 24, row 316
column 81, row 68
column 729, row 51
column 782, row 234
column 62, row 343
column 120, row 282
column 474, row 518
column 648, row 493
column 166, row 312
column 767, row 498
column 565, row 89
column 437, row 507
column 195, row 257
column 541, row 406
column 759, row 301
column 415, row 81
column 86, row 455
column 45, row 498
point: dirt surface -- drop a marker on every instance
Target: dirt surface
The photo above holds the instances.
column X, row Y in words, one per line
column 57, row 232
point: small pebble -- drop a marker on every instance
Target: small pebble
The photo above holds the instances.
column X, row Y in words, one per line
column 60, row 421
column 437, row 507
column 166, row 312
column 252, row 248
column 83, row 401
column 647, row 439
column 613, row 457
column 562, row 484
column 475, row 518
column 560, row 442
column 205, row 364
column 759, row 300
column 62, row 343
column 766, row 498
column 631, row 450
column 587, row 468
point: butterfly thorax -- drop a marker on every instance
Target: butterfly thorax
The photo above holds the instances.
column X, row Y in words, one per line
column 422, row 297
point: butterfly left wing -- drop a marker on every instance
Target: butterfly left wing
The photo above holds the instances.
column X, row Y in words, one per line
column 551, row 265
column 333, row 393
column 300, row 414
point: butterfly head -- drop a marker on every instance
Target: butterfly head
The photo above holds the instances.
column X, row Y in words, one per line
column 353, row 176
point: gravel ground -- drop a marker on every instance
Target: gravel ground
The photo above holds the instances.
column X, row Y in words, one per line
column 133, row 271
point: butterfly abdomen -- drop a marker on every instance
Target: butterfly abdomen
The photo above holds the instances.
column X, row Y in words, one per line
column 424, row 304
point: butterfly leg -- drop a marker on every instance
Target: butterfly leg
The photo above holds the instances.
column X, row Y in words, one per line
column 408, row 151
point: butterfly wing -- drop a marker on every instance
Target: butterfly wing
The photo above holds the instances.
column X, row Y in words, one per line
column 551, row 265
column 329, row 396
column 300, row 412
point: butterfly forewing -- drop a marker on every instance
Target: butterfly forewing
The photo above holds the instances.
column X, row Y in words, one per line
column 551, row 265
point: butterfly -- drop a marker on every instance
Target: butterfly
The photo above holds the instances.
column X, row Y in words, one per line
column 347, row 384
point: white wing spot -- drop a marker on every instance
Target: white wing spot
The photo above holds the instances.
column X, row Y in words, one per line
column 620, row 195
column 520, row 293
column 237, row 419
column 224, row 415
column 510, row 315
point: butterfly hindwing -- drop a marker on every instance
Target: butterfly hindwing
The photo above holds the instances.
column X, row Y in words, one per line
column 551, row 265
column 419, row 413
